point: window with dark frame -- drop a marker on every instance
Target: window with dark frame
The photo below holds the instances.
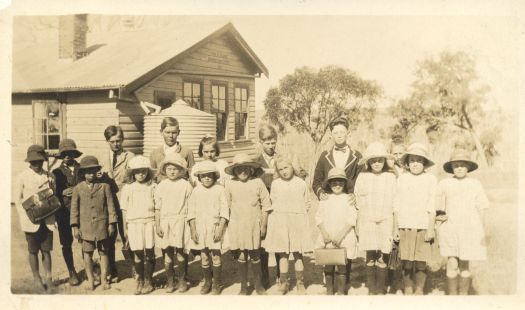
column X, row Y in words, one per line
column 192, row 94
column 241, row 112
column 218, row 107
column 164, row 99
column 47, row 123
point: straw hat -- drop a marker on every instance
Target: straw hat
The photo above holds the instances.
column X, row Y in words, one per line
column 460, row 155
column 244, row 159
column 417, row 149
column 173, row 159
column 36, row 152
column 334, row 174
column 374, row 150
column 139, row 162
column 68, row 145
column 88, row 162
column 206, row 167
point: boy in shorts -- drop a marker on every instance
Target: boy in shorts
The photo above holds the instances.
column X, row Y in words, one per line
column 93, row 218
column 39, row 236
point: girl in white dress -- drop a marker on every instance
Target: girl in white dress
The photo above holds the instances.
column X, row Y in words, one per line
column 336, row 219
column 137, row 204
column 375, row 190
column 208, row 214
column 462, row 237
column 288, row 225
column 171, row 207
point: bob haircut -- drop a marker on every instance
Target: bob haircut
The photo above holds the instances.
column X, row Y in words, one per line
column 169, row 121
column 111, row 131
column 209, row 140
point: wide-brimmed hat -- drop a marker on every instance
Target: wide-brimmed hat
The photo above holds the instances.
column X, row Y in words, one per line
column 68, row 145
column 417, row 149
column 374, row 150
column 173, row 159
column 460, row 155
column 88, row 162
column 334, row 174
column 36, row 152
column 206, row 167
column 139, row 162
column 243, row 159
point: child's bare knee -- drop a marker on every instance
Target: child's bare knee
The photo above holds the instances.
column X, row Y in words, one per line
column 216, row 259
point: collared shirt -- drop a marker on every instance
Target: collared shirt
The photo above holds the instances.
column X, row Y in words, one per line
column 175, row 148
column 269, row 160
column 341, row 157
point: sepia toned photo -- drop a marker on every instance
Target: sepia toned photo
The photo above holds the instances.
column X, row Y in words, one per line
column 264, row 155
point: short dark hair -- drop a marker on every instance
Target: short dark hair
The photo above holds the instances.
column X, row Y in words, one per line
column 113, row 131
column 209, row 140
column 168, row 121
column 339, row 121
column 267, row 132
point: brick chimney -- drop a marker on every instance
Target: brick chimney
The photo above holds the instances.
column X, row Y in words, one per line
column 72, row 31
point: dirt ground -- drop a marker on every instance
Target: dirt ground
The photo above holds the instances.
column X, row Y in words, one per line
column 494, row 276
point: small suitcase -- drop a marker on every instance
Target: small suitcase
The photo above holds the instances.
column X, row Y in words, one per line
column 330, row 256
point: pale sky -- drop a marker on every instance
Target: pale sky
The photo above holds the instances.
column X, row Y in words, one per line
column 385, row 49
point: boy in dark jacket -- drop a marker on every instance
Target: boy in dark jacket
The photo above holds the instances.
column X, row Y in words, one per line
column 93, row 218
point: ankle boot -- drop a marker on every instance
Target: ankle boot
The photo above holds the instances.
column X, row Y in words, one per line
column 243, row 275
column 452, row 285
column 73, row 278
column 464, row 285
column 329, row 278
column 182, row 285
column 340, row 280
column 421, row 277
column 371, row 279
column 170, row 285
column 299, row 275
column 284, row 285
column 139, row 268
column 381, row 274
column 148, row 276
column 407, row 282
column 207, row 275
column 256, row 265
column 216, row 286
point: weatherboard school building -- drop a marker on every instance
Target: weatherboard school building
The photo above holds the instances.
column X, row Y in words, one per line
column 63, row 88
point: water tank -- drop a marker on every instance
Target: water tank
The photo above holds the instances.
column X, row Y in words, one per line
column 194, row 125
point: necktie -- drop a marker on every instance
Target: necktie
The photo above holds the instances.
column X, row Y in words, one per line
column 341, row 149
column 114, row 159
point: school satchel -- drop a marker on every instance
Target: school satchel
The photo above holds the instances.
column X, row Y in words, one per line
column 394, row 261
column 41, row 205
column 330, row 256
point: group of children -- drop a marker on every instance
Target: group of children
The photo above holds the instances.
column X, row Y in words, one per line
column 254, row 207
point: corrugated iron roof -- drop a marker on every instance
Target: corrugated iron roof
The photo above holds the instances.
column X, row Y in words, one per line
column 119, row 58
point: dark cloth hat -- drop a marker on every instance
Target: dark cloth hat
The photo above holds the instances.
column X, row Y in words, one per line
column 339, row 120
column 68, row 145
column 36, row 152
column 460, row 155
column 89, row 161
